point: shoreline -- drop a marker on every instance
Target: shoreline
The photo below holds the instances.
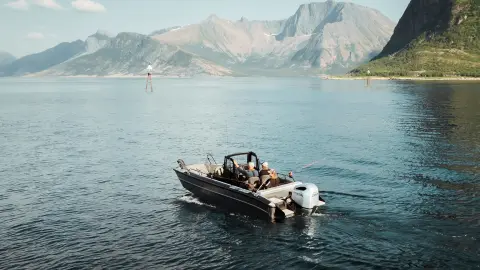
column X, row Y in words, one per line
column 323, row 77
column 117, row 76
column 107, row 76
column 395, row 78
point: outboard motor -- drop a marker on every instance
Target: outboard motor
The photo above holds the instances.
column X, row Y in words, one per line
column 306, row 196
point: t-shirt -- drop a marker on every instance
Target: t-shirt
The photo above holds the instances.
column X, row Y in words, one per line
column 248, row 173
column 264, row 172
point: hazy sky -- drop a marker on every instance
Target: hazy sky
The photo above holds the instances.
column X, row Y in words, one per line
column 29, row 26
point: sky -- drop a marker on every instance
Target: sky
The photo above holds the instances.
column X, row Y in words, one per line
column 30, row 26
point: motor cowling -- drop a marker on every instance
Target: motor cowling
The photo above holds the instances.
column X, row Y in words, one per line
column 306, row 195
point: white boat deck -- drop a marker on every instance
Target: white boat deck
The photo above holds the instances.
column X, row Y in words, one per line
column 279, row 192
column 288, row 213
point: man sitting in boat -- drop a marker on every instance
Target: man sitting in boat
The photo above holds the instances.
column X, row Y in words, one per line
column 266, row 173
column 251, row 174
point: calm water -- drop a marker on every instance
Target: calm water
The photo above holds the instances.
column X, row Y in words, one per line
column 86, row 175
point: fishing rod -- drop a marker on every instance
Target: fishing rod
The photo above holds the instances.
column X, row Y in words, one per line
column 290, row 173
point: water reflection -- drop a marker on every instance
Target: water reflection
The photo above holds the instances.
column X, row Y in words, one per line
column 445, row 118
column 397, row 159
column 442, row 126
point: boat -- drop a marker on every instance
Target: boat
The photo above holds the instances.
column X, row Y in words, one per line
column 274, row 199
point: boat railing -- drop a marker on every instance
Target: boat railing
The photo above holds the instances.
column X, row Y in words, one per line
column 189, row 169
column 209, row 155
column 285, row 177
column 182, row 165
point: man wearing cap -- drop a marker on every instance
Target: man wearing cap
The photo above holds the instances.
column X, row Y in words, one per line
column 266, row 171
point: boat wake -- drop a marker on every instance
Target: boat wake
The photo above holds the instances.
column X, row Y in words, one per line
column 311, row 260
column 188, row 198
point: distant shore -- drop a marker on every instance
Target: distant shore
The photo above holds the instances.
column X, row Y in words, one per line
column 120, row 76
column 324, row 77
column 103, row 76
column 397, row 78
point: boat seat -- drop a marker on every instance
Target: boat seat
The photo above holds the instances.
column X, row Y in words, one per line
column 275, row 200
column 253, row 179
column 218, row 171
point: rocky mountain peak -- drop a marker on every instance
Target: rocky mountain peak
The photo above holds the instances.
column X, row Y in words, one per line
column 212, row 17
column 306, row 19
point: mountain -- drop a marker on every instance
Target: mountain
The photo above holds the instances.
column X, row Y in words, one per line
column 96, row 41
column 43, row 60
column 324, row 37
column 161, row 31
column 306, row 19
column 224, row 41
column 347, row 35
column 130, row 53
column 433, row 38
column 6, row 58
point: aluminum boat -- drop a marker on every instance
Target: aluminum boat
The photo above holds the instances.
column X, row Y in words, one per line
column 273, row 198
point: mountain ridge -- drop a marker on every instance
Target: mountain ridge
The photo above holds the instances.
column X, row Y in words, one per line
column 276, row 47
column 433, row 38
column 43, row 60
column 365, row 37
column 319, row 37
column 129, row 53
column 6, row 58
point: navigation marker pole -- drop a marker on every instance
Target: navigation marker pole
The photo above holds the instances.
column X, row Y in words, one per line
column 368, row 78
column 149, row 78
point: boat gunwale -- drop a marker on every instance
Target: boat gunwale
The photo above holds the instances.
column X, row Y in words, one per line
column 226, row 186
column 259, row 193
column 270, row 205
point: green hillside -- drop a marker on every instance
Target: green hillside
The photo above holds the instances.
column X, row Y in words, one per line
column 447, row 43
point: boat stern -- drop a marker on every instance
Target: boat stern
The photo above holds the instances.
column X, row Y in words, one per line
column 306, row 196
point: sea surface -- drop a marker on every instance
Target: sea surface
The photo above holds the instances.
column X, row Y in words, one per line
column 86, row 179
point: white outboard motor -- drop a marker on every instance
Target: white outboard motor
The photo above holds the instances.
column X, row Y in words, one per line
column 306, row 195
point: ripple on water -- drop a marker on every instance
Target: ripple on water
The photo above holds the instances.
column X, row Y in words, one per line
column 86, row 170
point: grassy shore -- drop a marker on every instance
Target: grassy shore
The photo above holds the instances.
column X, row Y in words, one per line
column 401, row 78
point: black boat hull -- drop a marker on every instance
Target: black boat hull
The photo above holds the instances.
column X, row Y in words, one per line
column 228, row 197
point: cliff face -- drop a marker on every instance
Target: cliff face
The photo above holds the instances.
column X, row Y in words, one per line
column 433, row 38
column 420, row 17
column 347, row 35
column 306, row 19
column 95, row 42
